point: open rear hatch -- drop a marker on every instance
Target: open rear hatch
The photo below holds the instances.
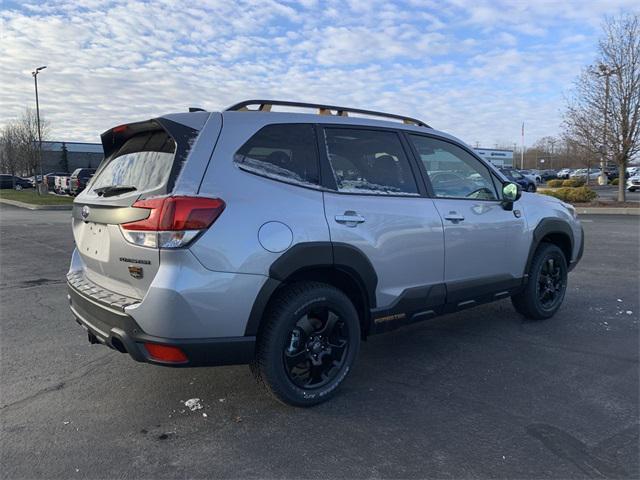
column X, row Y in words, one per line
column 115, row 217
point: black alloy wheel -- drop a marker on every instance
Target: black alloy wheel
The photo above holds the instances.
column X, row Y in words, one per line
column 317, row 349
column 550, row 283
column 545, row 289
column 308, row 343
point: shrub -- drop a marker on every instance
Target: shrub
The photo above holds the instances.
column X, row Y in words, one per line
column 581, row 194
column 573, row 182
column 615, row 181
column 554, row 183
column 572, row 194
column 560, row 193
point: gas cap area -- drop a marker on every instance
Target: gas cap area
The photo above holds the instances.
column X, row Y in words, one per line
column 275, row 237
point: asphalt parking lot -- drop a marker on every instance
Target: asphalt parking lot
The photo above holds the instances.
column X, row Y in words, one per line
column 477, row 394
column 610, row 193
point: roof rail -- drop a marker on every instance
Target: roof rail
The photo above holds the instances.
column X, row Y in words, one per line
column 265, row 106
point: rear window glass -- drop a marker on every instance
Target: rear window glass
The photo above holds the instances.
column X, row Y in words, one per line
column 285, row 152
column 144, row 161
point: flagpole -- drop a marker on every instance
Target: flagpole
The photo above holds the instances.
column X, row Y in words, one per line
column 522, row 150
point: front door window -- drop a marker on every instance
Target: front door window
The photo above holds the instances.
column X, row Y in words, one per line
column 454, row 172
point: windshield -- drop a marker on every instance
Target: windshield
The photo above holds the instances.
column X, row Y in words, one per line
column 143, row 162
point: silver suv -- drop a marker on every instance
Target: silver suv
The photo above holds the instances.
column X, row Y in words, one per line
column 283, row 239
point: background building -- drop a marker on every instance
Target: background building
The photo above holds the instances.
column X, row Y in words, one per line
column 500, row 158
column 67, row 156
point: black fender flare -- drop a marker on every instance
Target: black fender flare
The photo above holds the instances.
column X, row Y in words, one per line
column 545, row 227
column 310, row 255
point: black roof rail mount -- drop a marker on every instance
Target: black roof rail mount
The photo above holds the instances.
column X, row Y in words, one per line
column 196, row 109
column 265, row 106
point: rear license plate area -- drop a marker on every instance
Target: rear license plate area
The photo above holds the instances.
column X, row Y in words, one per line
column 95, row 241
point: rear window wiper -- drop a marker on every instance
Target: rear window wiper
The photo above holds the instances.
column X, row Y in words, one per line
column 112, row 190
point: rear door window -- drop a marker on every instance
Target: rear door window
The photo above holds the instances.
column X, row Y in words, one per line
column 285, row 152
column 369, row 162
column 144, row 162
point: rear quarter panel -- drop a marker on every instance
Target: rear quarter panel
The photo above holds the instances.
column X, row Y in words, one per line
column 232, row 244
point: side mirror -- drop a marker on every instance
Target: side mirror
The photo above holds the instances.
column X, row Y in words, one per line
column 511, row 192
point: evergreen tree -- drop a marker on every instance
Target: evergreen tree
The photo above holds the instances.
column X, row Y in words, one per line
column 64, row 158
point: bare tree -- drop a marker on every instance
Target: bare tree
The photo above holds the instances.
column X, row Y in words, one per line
column 9, row 147
column 28, row 137
column 19, row 144
column 581, row 154
column 617, row 130
column 545, row 149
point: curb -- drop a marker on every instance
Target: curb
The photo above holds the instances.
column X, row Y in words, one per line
column 607, row 211
column 31, row 206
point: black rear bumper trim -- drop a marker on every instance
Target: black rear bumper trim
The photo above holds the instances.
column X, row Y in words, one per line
column 119, row 331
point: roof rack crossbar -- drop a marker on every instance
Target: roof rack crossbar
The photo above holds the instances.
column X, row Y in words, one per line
column 265, row 106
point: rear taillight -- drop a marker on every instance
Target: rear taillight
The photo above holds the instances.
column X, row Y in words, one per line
column 173, row 222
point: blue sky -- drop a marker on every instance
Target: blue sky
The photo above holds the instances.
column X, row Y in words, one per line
column 476, row 69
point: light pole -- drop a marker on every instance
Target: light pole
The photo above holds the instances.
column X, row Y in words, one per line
column 604, row 71
column 35, row 80
column 522, row 150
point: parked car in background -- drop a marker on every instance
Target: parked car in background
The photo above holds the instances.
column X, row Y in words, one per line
column 527, row 183
column 50, row 179
column 633, row 183
column 611, row 171
column 531, row 174
column 15, row 182
column 564, row 173
column 34, row 180
column 581, row 174
column 547, row 175
column 632, row 171
column 61, row 184
column 79, row 179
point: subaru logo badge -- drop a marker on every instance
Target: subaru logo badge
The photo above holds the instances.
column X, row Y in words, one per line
column 85, row 211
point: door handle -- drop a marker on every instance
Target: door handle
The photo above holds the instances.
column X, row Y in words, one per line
column 349, row 218
column 454, row 217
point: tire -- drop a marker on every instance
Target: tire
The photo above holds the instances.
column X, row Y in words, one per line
column 532, row 302
column 18, row 188
column 293, row 324
column 531, row 188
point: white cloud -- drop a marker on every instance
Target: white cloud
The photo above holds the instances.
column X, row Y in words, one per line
column 474, row 68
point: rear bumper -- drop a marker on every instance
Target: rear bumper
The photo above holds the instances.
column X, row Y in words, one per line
column 111, row 326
